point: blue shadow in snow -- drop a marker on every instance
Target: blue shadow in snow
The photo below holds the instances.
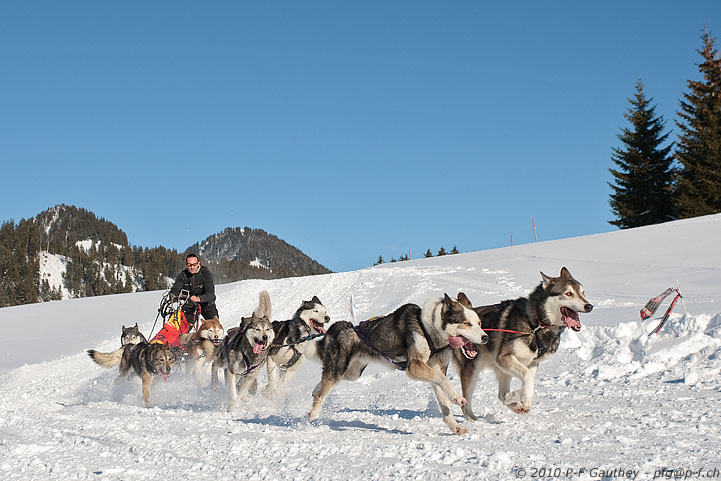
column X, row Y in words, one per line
column 401, row 413
column 280, row 421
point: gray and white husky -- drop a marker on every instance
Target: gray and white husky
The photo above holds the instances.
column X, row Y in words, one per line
column 132, row 335
column 289, row 350
column 536, row 323
column 243, row 352
column 416, row 340
column 144, row 359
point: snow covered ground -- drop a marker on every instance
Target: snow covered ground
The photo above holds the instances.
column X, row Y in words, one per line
column 614, row 402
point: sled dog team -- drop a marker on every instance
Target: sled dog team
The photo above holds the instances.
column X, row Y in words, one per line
column 511, row 338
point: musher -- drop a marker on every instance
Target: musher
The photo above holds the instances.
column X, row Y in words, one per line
column 198, row 282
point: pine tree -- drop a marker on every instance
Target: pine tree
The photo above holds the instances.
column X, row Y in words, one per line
column 379, row 261
column 699, row 146
column 454, row 250
column 428, row 253
column 442, row 251
column 643, row 189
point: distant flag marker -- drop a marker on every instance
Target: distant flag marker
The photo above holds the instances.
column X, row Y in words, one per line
column 653, row 304
column 351, row 309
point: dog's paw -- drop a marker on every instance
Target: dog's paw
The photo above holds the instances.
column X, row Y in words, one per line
column 512, row 398
column 233, row 405
column 459, row 400
column 312, row 416
column 468, row 413
column 461, row 430
column 519, row 408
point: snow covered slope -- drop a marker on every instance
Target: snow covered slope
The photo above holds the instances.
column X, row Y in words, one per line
column 613, row 397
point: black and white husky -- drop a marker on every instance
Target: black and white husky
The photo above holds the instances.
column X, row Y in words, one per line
column 416, row 340
column 531, row 330
column 291, row 346
column 243, row 351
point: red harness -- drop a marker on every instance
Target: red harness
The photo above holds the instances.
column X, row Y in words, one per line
column 540, row 326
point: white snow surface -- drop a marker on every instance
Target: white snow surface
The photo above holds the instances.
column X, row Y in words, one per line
column 52, row 268
column 258, row 263
column 613, row 398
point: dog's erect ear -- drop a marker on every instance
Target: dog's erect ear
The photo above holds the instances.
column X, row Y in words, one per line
column 447, row 301
column 136, row 325
column 546, row 279
column 565, row 273
column 244, row 321
column 316, row 300
column 124, row 328
column 463, row 299
column 450, row 303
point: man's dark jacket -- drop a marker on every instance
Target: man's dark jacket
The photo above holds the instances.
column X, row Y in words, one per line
column 200, row 284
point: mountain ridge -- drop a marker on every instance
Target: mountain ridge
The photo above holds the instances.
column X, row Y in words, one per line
column 92, row 256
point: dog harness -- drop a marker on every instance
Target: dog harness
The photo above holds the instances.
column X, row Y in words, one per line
column 542, row 348
column 401, row 365
column 146, row 361
column 249, row 367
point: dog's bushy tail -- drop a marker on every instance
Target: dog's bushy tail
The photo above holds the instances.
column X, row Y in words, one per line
column 263, row 309
column 106, row 359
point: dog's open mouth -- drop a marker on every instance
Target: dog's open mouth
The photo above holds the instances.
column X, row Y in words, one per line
column 259, row 346
column 317, row 326
column 165, row 375
column 467, row 347
column 216, row 341
column 570, row 318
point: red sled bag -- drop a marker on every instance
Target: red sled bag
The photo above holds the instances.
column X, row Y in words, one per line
column 172, row 330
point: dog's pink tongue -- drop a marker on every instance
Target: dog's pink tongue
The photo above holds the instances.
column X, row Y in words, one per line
column 258, row 348
column 570, row 318
column 457, row 341
column 165, row 376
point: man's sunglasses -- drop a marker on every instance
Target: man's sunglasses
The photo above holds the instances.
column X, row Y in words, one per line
column 193, row 265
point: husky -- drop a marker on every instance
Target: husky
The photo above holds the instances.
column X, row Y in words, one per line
column 132, row 335
column 416, row 340
column 536, row 323
column 143, row 358
column 290, row 347
column 243, row 351
column 200, row 346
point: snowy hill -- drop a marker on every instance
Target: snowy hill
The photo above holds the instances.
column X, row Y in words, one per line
column 612, row 398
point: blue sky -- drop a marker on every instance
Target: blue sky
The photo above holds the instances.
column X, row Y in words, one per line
column 348, row 129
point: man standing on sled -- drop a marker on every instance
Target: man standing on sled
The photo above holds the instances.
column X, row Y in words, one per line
column 198, row 282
